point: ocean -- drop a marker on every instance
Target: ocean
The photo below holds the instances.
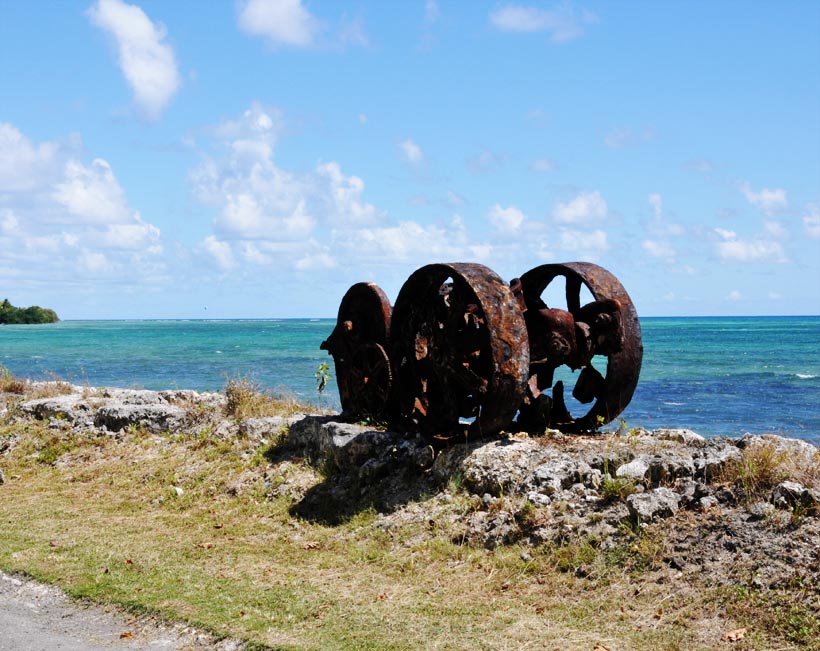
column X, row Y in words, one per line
column 716, row 376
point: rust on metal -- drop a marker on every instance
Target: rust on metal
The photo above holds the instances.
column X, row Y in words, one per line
column 358, row 345
column 464, row 353
column 460, row 350
column 607, row 327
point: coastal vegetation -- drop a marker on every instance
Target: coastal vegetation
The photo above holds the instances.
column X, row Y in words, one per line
column 197, row 523
column 9, row 314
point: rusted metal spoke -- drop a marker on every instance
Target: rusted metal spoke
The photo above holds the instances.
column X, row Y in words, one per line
column 608, row 327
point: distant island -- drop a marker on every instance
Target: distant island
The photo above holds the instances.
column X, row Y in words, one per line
column 34, row 314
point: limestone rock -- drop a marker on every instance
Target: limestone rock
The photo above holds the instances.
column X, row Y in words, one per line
column 656, row 504
column 156, row 417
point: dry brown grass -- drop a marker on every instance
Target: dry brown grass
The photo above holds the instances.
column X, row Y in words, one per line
column 104, row 519
column 11, row 384
column 764, row 465
column 245, row 399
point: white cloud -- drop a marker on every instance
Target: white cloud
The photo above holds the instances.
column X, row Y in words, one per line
column 220, row 251
column 148, row 63
column 344, row 193
column 543, row 165
column 411, row 151
column 656, row 201
column 281, row 22
column 586, row 244
column 486, row 161
column 431, row 11
column 587, row 207
column 625, row 137
column 9, row 224
column 767, row 200
column 320, row 260
column 506, row 219
column 454, row 199
column 92, row 193
column 563, row 23
column 363, row 118
column 23, row 164
column 811, row 220
column 659, row 249
column 754, row 250
column 775, row 229
column 94, row 262
column 775, row 296
column 734, row 295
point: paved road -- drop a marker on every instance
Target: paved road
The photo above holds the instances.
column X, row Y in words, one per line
column 36, row 617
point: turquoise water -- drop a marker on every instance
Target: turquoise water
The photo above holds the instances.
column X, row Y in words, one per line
column 713, row 375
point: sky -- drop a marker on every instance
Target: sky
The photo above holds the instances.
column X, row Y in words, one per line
column 254, row 159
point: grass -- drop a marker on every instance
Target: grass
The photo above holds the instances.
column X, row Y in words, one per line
column 246, row 400
column 763, row 466
column 194, row 528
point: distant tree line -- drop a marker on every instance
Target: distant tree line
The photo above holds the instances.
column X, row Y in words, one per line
column 33, row 314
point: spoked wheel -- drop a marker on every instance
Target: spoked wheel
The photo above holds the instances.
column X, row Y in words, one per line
column 579, row 336
column 358, row 345
column 460, row 351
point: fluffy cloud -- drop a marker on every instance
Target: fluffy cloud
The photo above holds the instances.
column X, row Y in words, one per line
column 92, row 193
column 586, row 245
column 266, row 213
column 148, row 63
column 486, row 161
column 220, row 252
column 68, row 216
column 755, row 250
column 811, row 220
column 659, row 249
column 23, row 165
column 411, row 151
column 281, row 22
column 767, row 200
column 562, row 23
column 587, row 207
column 506, row 219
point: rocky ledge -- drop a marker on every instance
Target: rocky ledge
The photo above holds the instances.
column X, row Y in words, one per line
column 745, row 510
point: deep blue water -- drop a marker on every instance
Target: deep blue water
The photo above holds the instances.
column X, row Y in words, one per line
column 714, row 375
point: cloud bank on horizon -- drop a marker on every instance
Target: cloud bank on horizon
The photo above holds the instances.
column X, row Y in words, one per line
column 260, row 156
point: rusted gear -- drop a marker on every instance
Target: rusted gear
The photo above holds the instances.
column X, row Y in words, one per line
column 358, row 344
column 608, row 326
column 460, row 351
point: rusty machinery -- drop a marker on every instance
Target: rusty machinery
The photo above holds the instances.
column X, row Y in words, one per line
column 462, row 352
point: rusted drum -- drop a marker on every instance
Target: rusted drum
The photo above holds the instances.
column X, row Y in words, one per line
column 607, row 326
column 358, row 345
column 459, row 351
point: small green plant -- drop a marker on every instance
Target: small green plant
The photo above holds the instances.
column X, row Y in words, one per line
column 617, row 488
column 322, row 376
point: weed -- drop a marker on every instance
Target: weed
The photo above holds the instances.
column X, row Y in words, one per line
column 11, row 384
column 246, row 400
column 759, row 470
column 322, row 376
column 617, row 488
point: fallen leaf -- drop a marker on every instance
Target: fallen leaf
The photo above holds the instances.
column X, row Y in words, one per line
column 659, row 614
column 128, row 561
column 218, row 526
column 127, row 635
column 734, row 636
column 601, row 647
column 206, row 545
column 311, row 545
column 539, row 610
column 383, row 596
column 53, row 543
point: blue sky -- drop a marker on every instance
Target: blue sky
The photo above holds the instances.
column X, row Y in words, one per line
column 256, row 158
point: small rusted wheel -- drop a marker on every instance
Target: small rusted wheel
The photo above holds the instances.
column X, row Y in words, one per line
column 358, row 344
column 369, row 380
column 460, row 351
column 576, row 336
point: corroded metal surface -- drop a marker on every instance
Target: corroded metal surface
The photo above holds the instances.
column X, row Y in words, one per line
column 606, row 327
column 463, row 353
column 459, row 349
column 358, row 345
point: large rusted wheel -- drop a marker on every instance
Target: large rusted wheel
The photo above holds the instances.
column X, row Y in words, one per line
column 460, row 351
column 580, row 336
column 358, row 344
